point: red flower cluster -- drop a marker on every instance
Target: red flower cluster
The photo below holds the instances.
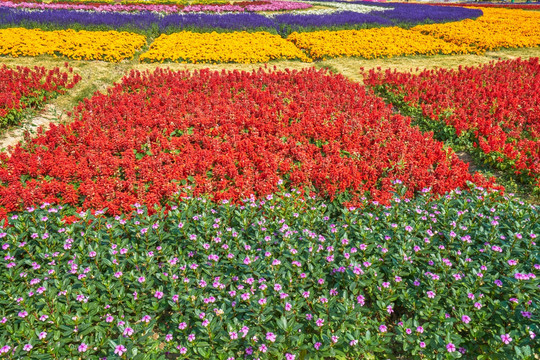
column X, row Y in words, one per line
column 233, row 134
column 24, row 87
column 497, row 105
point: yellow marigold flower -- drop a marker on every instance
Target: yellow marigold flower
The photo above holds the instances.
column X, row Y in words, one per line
column 80, row 45
column 371, row 43
column 497, row 28
column 236, row 47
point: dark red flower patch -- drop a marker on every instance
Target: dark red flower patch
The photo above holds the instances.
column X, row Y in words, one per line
column 496, row 105
column 232, row 134
column 23, row 87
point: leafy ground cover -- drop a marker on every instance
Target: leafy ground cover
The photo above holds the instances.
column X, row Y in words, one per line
column 492, row 110
column 285, row 277
column 231, row 134
column 23, row 88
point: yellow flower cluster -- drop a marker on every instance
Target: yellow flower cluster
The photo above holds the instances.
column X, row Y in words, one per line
column 497, row 28
column 370, row 43
column 80, row 45
column 237, row 47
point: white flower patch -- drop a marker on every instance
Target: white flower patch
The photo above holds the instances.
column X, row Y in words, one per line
column 336, row 7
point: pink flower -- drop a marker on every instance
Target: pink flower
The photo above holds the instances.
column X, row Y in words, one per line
column 270, row 337
column 465, row 319
column 27, row 347
column 120, row 350
column 191, row 337
column 317, row 345
column 320, row 322
column 128, row 331
column 83, row 347
column 182, row 325
column 430, row 294
column 42, row 335
column 158, row 294
column 506, row 338
column 383, row 328
column 451, row 347
column 233, row 335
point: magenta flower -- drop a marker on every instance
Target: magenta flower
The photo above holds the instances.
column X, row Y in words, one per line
column 422, row 344
column 383, row 328
column 182, row 325
column 270, row 337
column 317, row 345
column 23, row 314
column 83, row 347
column 319, row 322
column 128, row 331
column 120, row 350
column 158, row 295
column 451, row 347
column 506, row 338
column 465, row 319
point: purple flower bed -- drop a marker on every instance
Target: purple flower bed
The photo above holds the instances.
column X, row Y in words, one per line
column 284, row 24
column 345, row 18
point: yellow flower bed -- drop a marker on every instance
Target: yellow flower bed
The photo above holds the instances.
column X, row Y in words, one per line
column 370, row 43
column 80, row 45
column 237, row 47
column 497, row 28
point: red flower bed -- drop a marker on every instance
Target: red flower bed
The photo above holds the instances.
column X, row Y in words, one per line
column 497, row 106
column 233, row 134
column 23, row 87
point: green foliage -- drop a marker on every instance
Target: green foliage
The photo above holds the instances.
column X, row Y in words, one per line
column 307, row 280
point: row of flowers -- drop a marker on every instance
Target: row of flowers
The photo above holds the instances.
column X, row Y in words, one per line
column 22, row 88
column 251, row 6
column 497, row 28
column 127, row 2
column 494, row 107
column 284, row 277
column 350, row 16
column 230, row 134
column 370, row 43
column 236, row 47
column 80, row 45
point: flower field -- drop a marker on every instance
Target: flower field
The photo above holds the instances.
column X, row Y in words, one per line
column 497, row 28
column 438, row 278
column 80, row 45
column 221, row 210
column 240, row 47
column 370, row 43
column 494, row 109
column 234, row 134
column 24, row 88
